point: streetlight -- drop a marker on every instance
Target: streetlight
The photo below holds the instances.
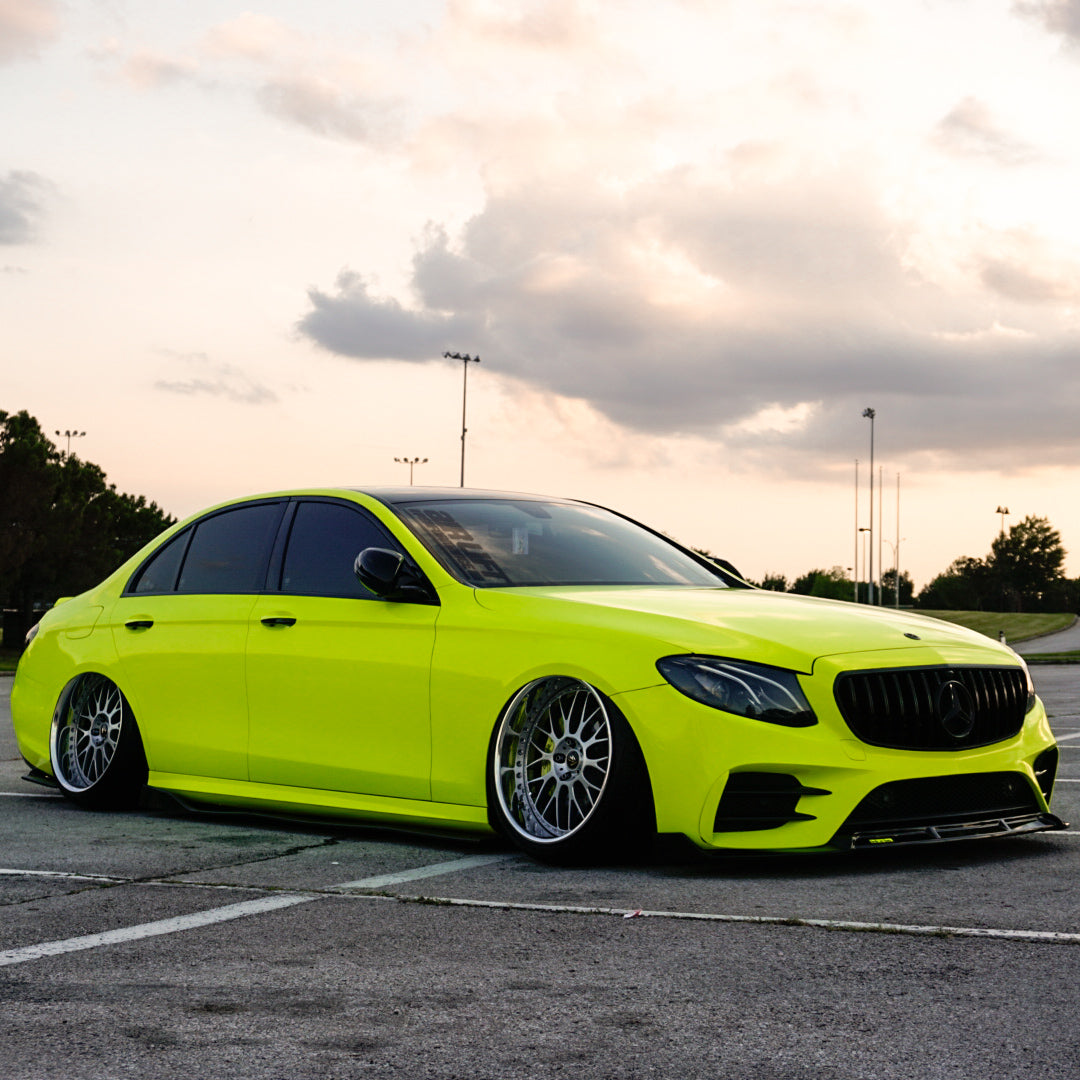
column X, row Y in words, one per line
column 411, row 462
column 896, row 570
column 869, row 414
column 465, row 361
column 69, row 435
column 1002, row 510
column 855, row 575
column 865, row 529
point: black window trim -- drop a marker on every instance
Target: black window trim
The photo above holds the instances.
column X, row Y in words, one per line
column 188, row 533
column 276, row 568
column 275, row 563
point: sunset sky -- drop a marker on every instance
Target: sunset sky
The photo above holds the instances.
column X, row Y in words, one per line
column 691, row 241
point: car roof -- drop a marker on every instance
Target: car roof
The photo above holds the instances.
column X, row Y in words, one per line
column 394, row 496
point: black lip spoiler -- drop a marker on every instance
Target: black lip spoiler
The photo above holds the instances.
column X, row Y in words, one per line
column 955, row 830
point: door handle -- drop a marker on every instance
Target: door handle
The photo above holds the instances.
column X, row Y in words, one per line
column 278, row 620
column 139, row 624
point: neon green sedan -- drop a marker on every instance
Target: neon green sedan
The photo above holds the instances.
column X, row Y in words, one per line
column 544, row 668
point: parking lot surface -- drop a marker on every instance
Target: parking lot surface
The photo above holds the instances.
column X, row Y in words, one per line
column 166, row 943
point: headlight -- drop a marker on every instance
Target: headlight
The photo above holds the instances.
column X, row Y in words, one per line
column 31, row 634
column 756, row 691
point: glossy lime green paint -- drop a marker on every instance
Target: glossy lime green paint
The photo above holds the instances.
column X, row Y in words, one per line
column 386, row 711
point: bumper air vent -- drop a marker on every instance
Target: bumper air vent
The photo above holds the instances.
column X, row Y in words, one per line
column 760, row 800
column 1045, row 767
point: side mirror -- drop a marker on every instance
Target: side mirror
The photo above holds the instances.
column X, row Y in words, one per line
column 390, row 576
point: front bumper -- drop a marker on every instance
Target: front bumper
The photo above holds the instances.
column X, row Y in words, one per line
column 735, row 784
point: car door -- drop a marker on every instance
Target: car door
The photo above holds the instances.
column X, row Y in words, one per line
column 181, row 629
column 337, row 679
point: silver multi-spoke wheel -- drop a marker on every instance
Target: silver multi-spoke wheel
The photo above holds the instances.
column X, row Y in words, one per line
column 553, row 758
column 95, row 746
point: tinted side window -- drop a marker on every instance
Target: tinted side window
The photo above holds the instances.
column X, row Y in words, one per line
column 159, row 573
column 229, row 551
column 323, row 544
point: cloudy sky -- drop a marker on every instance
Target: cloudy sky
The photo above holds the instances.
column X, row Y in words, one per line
column 691, row 240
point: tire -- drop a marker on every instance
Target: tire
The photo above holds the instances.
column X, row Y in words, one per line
column 95, row 747
column 566, row 779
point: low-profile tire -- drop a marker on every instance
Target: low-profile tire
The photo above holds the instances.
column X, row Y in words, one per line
column 95, row 746
column 567, row 781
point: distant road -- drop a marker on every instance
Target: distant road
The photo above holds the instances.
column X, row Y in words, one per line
column 1062, row 641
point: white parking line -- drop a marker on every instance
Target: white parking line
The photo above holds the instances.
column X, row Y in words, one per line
column 1045, row 936
column 67, row 875
column 152, row 929
column 221, row 914
column 30, row 795
column 383, row 880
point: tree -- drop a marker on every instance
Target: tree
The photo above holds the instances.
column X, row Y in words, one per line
column 775, row 583
column 1026, row 565
column 964, row 586
column 64, row 526
column 834, row 584
column 888, row 588
column 1022, row 572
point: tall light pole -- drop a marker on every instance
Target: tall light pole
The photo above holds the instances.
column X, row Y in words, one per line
column 69, row 435
column 465, row 361
column 869, row 414
column 411, row 462
column 880, row 533
column 1002, row 510
column 856, row 573
column 896, row 570
column 897, row 539
column 864, row 529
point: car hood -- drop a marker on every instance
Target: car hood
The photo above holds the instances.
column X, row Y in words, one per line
column 777, row 628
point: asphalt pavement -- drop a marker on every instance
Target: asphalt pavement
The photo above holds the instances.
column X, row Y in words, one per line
column 1063, row 641
column 162, row 943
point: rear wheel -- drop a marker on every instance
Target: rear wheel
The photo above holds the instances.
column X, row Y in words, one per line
column 566, row 780
column 95, row 746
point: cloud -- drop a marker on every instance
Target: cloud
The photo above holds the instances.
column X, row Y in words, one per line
column 22, row 198
column 1023, row 267
column 764, row 311
column 969, row 130
column 352, row 323
column 532, row 24
column 1058, row 16
column 325, row 109
column 250, row 36
column 26, row 26
column 211, row 379
column 147, row 70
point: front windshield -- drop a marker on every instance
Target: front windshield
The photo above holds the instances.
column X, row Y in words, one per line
column 502, row 542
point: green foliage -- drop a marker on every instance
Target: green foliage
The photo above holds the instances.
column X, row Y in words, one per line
column 775, row 583
column 64, row 526
column 1023, row 572
column 1027, row 564
column 888, row 588
column 833, row 584
column 964, row 586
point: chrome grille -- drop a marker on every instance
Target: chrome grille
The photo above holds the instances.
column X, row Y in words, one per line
column 933, row 708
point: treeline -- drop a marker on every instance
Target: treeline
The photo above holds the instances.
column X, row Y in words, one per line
column 1023, row 571
column 63, row 526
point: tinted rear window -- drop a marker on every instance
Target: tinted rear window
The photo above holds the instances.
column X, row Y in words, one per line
column 229, row 551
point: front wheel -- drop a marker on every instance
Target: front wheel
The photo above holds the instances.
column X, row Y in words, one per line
column 96, row 751
column 566, row 779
